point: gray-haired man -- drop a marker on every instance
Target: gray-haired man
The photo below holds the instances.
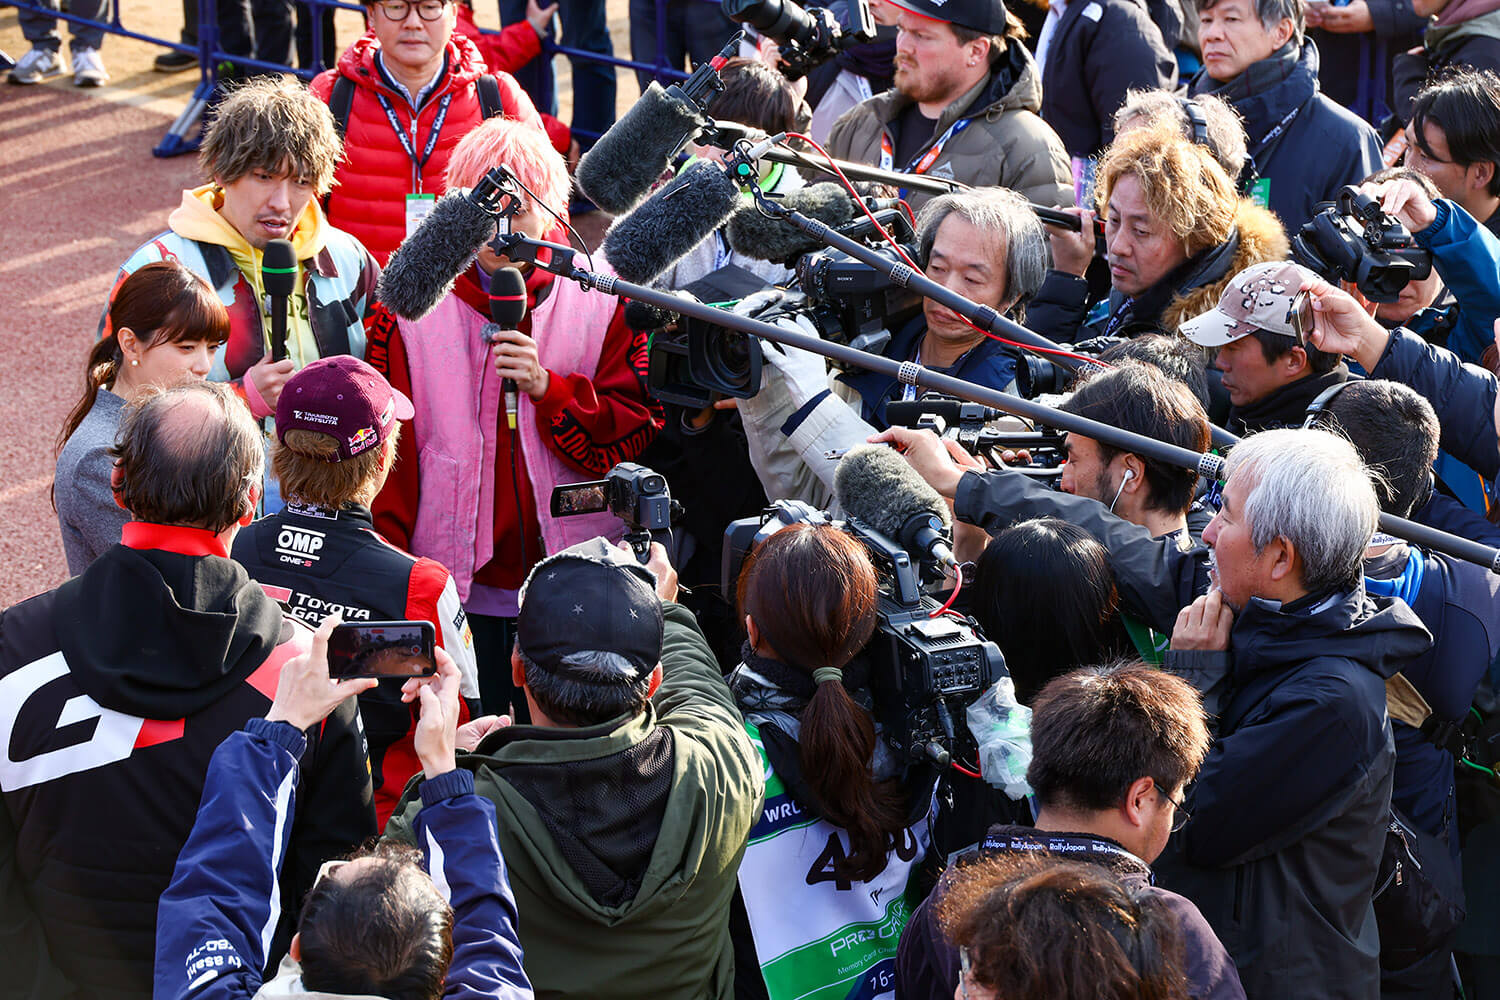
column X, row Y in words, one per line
column 1304, row 147
column 985, row 244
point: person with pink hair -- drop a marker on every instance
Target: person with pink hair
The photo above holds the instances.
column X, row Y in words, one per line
column 582, row 407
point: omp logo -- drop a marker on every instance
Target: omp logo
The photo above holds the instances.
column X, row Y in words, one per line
column 81, row 735
column 300, row 543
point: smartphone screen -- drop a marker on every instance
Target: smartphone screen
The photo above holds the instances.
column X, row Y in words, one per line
column 382, row 649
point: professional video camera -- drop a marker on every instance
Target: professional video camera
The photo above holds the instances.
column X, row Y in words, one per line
column 924, row 669
column 846, row 300
column 806, row 36
column 631, row 492
column 1352, row 239
column 970, row 424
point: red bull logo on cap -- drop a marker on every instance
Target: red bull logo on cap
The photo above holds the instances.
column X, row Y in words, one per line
column 362, row 439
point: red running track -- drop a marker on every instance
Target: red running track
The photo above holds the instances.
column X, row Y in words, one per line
column 79, row 190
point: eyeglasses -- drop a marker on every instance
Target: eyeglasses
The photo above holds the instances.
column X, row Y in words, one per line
column 427, row 10
column 1181, row 817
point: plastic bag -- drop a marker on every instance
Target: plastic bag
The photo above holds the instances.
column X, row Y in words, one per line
column 1001, row 726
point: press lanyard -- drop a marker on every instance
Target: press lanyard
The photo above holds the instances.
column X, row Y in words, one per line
column 1061, row 847
column 1276, row 132
column 927, row 159
column 406, row 141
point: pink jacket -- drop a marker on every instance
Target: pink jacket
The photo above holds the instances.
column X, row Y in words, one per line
column 458, row 415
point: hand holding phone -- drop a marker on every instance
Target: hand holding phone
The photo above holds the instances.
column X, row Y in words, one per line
column 382, row 649
column 305, row 690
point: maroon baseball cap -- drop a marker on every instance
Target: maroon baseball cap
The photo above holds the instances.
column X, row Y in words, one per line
column 342, row 397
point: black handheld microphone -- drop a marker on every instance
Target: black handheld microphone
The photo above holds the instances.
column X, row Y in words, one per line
column 875, row 485
column 627, row 160
column 507, row 308
column 278, row 274
column 666, row 226
column 421, row 272
column 755, row 234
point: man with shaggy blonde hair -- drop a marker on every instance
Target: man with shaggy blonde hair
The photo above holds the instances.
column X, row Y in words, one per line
column 1175, row 231
column 269, row 155
column 503, row 416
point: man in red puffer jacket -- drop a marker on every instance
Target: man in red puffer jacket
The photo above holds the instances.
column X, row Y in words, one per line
column 412, row 91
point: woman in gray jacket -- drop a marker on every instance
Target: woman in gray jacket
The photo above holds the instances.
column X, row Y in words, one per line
column 166, row 324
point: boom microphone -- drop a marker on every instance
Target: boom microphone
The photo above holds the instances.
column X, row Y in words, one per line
column 875, row 485
column 278, row 274
column 424, row 267
column 666, row 226
column 627, row 160
column 757, row 235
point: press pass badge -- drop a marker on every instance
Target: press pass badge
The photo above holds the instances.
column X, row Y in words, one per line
column 418, row 207
column 1260, row 192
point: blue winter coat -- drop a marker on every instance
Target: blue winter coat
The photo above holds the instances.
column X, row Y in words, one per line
column 988, row 363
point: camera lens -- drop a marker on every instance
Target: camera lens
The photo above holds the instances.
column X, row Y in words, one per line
column 728, row 358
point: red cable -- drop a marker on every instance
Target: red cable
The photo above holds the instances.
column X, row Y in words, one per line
column 912, row 264
column 964, row 770
column 958, row 585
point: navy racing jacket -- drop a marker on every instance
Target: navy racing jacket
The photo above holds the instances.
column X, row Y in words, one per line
column 211, row 943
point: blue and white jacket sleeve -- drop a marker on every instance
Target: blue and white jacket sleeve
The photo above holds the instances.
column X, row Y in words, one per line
column 215, row 921
column 456, row 831
column 1466, row 255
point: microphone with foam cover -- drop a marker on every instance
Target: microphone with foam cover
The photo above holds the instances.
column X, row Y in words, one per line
column 627, row 160
column 278, row 275
column 619, row 171
column 874, row 484
column 763, row 237
column 421, row 272
column 507, row 309
column 756, row 235
column 666, row 226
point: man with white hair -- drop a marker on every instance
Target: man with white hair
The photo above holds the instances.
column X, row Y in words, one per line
column 1290, row 808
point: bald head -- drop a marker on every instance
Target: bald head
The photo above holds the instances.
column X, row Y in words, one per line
column 190, row 455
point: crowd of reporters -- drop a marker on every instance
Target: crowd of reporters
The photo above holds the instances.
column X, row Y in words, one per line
column 1126, row 731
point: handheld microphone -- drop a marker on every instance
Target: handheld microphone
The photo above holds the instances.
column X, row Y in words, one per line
column 765, row 238
column 627, row 160
column 507, row 307
column 875, row 485
column 424, row 267
column 278, row 274
column 666, row 226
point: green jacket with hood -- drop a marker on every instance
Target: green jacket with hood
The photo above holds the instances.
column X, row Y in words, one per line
column 1006, row 143
column 623, row 840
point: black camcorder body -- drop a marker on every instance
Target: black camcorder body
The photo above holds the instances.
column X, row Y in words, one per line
column 1352, row 239
column 806, row 36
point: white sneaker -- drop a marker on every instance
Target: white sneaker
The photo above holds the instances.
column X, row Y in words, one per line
column 88, row 68
column 35, row 66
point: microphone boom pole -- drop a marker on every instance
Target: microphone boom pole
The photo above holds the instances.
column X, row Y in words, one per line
column 1207, row 465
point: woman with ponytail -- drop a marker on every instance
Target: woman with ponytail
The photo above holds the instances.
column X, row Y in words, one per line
column 840, row 839
column 165, row 323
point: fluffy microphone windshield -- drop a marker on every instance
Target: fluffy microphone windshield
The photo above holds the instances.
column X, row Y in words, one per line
column 671, row 222
column 422, row 270
column 619, row 171
column 756, row 235
column 874, row 484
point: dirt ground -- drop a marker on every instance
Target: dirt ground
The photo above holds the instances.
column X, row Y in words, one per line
column 79, row 190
